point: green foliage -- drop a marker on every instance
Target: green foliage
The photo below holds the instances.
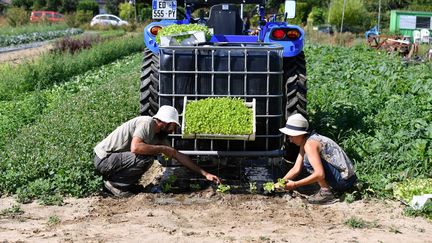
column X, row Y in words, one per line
column 30, row 28
column 145, row 13
column 26, row 4
column 88, row 5
column 356, row 223
column 253, row 187
column 376, row 108
column 56, row 68
column 112, row 6
column 356, row 17
column 36, row 36
column 223, row 188
column 17, row 16
column 50, row 157
column 195, row 186
column 269, row 187
column 182, row 28
column 82, row 17
column 317, row 15
column 168, row 183
column 405, row 190
column 127, row 11
column 227, row 116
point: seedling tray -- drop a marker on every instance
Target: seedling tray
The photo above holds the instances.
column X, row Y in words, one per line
column 247, row 137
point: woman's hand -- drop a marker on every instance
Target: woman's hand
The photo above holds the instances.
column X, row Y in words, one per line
column 290, row 185
column 213, row 178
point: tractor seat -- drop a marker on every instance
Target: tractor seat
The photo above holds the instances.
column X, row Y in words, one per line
column 225, row 20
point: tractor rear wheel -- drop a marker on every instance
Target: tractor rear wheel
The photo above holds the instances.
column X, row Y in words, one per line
column 149, row 87
column 295, row 96
column 295, row 85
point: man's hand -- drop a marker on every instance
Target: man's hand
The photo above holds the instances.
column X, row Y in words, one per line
column 170, row 152
column 212, row 177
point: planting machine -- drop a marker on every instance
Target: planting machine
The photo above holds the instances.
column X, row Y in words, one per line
column 267, row 68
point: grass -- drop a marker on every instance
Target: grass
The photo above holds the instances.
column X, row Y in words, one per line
column 358, row 223
column 53, row 220
column 54, row 155
column 6, row 30
column 55, row 68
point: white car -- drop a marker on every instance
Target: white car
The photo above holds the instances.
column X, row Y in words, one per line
column 107, row 19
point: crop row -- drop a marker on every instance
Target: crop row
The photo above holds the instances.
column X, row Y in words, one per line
column 379, row 109
column 37, row 36
column 53, row 156
column 55, row 68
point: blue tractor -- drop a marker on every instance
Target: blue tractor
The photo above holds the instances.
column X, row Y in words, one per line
column 268, row 67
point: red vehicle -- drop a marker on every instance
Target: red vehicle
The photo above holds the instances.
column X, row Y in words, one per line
column 50, row 16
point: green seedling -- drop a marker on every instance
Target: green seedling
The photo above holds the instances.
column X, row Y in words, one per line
column 252, row 187
column 167, row 184
column 227, row 116
column 195, row 186
column 269, row 187
column 223, row 188
column 53, row 220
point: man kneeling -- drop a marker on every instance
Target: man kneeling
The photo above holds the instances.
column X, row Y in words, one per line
column 125, row 155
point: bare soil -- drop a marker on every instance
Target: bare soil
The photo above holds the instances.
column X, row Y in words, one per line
column 207, row 216
column 19, row 56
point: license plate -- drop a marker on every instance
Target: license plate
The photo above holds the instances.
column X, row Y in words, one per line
column 164, row 9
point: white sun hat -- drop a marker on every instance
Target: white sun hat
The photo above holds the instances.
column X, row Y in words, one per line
column 295, row 125
column 167, row 114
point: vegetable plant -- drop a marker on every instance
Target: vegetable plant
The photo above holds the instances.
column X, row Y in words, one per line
column 223, row 188
column 225, row 115
column 182, row 28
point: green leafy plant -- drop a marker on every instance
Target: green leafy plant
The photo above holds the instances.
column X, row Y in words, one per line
column 182, row 28
column 12, row 211
column 227, row 116
column 356, row 223
column 53, row 220
column 407, row 189
column 269, row 187
column 168, row 183
column 195, row 186
column 252, row 187
column 61, row 158
column 223, row 188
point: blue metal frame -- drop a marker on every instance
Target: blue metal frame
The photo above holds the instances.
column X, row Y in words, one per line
column 291, row 47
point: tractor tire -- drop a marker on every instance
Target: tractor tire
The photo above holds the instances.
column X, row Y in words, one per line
column 149, row 87
column 295, row 85
column 295, row 96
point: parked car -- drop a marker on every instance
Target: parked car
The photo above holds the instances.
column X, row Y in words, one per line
column 327, row 29
column 107, row 19
column 50, row 16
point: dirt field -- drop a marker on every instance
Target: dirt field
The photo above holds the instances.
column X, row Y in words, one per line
column 16, row 57
column 204, row 216
column 207, row 216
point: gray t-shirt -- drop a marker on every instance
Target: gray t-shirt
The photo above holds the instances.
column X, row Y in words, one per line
column 332, row 153
column 121, row 138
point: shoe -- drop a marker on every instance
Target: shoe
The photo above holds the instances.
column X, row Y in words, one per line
column 116, row 192
column 323, row 197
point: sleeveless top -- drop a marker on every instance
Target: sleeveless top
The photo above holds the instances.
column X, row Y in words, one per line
column 331, row 152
